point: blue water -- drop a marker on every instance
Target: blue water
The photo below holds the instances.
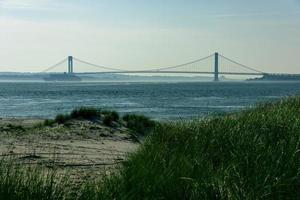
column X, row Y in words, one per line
column 157, row 100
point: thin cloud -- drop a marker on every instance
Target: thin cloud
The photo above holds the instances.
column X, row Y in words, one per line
column 253, row 15
column 29, row 4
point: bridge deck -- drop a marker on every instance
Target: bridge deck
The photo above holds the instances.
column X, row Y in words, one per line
column 170, row 72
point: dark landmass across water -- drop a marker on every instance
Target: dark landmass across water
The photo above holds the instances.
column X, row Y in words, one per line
column 278, row 77
column 15, row 76
column 62, row 77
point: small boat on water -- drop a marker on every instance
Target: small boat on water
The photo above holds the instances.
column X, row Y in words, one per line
column 62, row 77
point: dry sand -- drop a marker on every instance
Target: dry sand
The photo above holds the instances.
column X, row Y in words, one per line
column 83, row 148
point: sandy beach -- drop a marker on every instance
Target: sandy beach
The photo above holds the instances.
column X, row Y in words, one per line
column 82, row 147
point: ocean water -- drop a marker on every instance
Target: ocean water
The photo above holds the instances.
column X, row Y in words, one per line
column 163, row 101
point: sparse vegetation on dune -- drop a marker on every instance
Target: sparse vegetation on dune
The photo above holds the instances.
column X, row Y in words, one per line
column 110, row 117
column 87, row 113
column 62, row 118
column 253, row 154
column 140, row 124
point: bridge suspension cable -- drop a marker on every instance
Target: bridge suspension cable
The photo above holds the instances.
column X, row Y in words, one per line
column 55, row 65
column 149, row 70
column 181, row 65
column 98, row 66
column 241, row 65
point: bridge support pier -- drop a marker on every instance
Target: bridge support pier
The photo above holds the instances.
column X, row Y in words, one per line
column 70, row 65
column 216, row 72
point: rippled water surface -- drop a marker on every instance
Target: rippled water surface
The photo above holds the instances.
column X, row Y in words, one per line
column 158, row 100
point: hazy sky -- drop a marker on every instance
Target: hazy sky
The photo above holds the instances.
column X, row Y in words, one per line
column 261, row 33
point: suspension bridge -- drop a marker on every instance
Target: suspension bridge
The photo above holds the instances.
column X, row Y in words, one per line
column 215, row 64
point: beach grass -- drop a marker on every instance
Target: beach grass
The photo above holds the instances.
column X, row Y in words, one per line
column 81, row 113
column 110, row 117
column 253, row 154
column 31, row 183
column 140, row 124
column 89, row 113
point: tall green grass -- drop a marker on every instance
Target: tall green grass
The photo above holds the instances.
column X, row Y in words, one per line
column 251, row 155
column 31, row 183
column 140, row 124
column 24, row 182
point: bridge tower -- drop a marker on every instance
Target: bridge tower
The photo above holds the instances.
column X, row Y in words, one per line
column 70, row 65
column 216, row 67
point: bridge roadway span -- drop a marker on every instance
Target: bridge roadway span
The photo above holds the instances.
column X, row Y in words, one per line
column 169, row 72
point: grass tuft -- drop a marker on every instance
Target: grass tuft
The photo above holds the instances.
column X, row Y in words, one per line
column 140, row 124
column 62, row 118
column 49, row 122
column 88, row 113
column 110, row 117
